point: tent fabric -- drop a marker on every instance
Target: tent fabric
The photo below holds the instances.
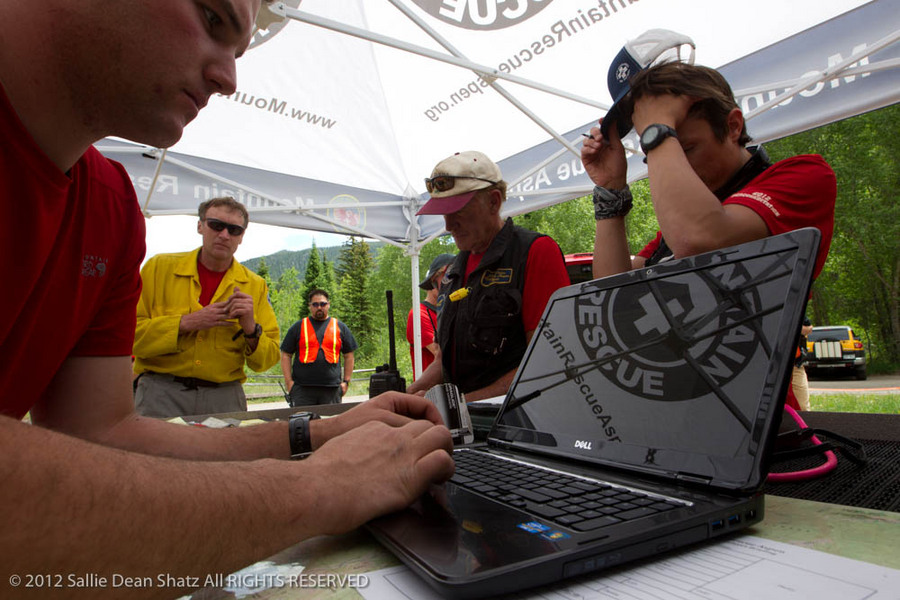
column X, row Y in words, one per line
column 343, row 108
column 329, row 132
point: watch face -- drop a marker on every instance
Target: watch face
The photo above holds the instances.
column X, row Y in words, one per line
column 654, row 135
column 650, row 136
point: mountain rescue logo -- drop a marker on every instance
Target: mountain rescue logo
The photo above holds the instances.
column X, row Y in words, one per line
column 482, row 14
column 345, row 209
column 674, row 339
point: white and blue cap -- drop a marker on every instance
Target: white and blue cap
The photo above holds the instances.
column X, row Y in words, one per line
column 653, row 47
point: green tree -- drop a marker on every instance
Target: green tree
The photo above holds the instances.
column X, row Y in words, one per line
column 318, row 276
column 355, row 266
column 571, row 223
column 286, row 298
column 262, row 269
column 860, row 283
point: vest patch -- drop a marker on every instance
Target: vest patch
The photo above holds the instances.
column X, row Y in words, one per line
column 498, row 277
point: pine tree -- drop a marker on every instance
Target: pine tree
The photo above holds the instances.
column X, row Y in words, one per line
column 262, row 269
column 312, row 280
column 355, row 267
column 286, row 299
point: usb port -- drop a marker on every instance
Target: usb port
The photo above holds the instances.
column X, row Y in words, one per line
column 734, row 520
column 750, row 514
column 718, row 524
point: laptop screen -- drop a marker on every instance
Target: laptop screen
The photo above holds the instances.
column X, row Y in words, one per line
column 674, row 370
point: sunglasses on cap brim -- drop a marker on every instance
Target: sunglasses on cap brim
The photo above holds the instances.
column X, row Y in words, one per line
column 445, row 183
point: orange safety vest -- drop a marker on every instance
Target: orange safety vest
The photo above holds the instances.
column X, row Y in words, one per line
column 309, row 344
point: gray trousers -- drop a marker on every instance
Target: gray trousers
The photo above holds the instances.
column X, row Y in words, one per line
column 308, row 395
column 158, row 395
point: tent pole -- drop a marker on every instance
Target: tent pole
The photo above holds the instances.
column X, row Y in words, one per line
column 156, row 173
column 414, row 269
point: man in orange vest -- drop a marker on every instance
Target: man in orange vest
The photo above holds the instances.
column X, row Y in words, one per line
column 316, row 344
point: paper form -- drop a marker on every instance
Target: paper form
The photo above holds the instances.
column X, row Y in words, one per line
column 741, row 568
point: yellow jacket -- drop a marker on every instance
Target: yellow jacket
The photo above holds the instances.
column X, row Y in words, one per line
column 171, row 288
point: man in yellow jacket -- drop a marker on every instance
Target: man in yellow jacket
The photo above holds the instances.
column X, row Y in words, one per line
column 202, row 315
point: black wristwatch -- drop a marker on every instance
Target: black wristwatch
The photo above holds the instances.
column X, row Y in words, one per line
column 654, row 135
column 257, row 331
column 298, row 430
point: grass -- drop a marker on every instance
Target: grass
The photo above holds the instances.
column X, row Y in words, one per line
column 852, row 403
column 856, row 403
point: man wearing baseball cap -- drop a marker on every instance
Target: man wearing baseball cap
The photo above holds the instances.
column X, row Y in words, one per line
column 495, row 290
column 709, row 189
column 428, row 313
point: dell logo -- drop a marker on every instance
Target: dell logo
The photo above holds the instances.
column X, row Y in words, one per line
column 582, row 445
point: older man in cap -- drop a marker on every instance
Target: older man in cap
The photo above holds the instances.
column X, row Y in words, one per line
column 495, row 291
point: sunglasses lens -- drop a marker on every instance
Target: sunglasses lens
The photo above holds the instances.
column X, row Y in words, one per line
column 217, row 226
column 441, row 183
column 444, row 183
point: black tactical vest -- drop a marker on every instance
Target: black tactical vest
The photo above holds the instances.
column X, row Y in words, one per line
column 481, row 335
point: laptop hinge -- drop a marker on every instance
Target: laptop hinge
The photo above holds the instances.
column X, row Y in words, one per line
column 695, row 479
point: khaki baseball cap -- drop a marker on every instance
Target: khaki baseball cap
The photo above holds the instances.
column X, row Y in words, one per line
column 455, row 180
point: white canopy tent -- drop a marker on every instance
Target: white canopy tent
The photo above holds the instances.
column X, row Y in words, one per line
column 344, row 106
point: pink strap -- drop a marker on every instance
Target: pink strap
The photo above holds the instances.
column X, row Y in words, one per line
column 829, row 464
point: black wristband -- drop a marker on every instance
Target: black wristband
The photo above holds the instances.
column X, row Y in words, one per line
column 298, row 430
column 609, row 204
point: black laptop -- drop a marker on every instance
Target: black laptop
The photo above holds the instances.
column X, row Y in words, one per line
column 639, row 421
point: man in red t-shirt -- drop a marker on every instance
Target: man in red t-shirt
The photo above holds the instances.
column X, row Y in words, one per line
column 496, row 289
column 89, row 486
column 428, row 314
column 709, row 189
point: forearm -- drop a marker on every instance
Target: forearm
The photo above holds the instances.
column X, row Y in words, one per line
column 691, row 218
column 611, row 253
column 266, row 353
column 286, row 371
column 430, row 377
column 74, row 507
column 268, row 349
column 154, row 437
column 498, row 388
column 349, row 363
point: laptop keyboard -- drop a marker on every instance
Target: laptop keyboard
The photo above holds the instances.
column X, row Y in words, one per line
column 576, row 503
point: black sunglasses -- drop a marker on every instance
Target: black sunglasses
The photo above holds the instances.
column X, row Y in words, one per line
column 318, row 304
column 444, row 183
column 217, row 225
